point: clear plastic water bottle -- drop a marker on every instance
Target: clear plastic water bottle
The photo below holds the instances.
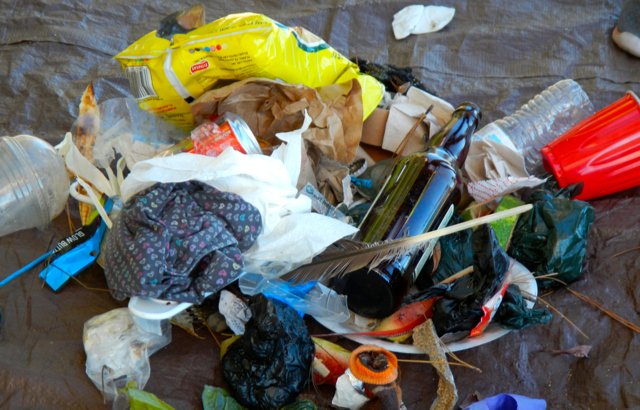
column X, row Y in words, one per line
column 540, row 121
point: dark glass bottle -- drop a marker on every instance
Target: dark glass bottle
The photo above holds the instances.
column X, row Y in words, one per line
column 419, row 195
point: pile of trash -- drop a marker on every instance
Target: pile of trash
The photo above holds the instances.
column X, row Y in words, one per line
column 247, row 185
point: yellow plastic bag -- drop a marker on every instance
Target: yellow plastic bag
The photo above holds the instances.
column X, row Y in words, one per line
column 166, row 77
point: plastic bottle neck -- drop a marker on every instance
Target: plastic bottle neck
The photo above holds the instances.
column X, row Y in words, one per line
column 455, row 136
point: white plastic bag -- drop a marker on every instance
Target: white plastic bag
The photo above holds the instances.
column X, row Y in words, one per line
column 118, row 351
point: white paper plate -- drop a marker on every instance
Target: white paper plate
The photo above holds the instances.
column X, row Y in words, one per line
column 491, row 333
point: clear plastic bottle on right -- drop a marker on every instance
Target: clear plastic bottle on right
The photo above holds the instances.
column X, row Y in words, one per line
column 540, row 121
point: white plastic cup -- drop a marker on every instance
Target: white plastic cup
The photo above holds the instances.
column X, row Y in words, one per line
column 34, row 183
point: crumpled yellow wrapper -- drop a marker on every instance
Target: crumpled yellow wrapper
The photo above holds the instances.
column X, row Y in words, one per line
column 269, row 107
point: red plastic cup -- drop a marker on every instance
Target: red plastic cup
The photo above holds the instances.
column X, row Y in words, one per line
column 603, row 151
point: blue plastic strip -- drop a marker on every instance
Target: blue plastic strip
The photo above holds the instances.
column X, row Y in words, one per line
column 26, row 268
column 76, row 260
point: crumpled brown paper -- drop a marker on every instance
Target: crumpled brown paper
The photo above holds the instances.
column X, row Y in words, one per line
column 269, row 107
column 334, row 181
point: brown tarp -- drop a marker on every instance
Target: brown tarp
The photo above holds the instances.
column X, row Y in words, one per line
column 497, row 53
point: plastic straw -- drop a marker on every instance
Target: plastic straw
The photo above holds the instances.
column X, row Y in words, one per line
column 26, row 268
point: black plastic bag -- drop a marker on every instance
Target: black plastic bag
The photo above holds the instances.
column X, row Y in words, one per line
column 552, row 237
column 455, row 255
column 269, row 365
column 389, row 75
column 513, row 312
column 181, row 22
column 460, row 308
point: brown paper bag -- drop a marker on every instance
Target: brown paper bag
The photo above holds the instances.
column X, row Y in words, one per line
column 269, row 107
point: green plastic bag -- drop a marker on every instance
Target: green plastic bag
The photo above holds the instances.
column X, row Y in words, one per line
column 552, row 237
column 513, row 312
column 301, row 405
column 141, row 400
column 217, row 398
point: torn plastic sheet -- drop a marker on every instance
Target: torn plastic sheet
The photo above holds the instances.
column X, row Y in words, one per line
column 310, row 298
column 131, row 132
column 118, row 351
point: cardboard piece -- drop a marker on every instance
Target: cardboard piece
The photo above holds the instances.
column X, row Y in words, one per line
column 403, row 114
column 373, row 128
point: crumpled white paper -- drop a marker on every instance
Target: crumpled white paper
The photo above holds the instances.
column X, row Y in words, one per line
column 484, row 191
column 260, row 180
column 236, row 313
column 85, row 171
column 403, row 114
column 418, row 19
column 80, row 166
column 488, row 159
column 290, row 151
column 349, row 392
column 291, row 233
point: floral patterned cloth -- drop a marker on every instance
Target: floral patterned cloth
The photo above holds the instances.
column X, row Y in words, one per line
column 179, row 242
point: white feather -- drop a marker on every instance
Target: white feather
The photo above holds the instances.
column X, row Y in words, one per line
column 346, row 256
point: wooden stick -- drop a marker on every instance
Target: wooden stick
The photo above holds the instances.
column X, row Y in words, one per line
column 197, row 312
column 597, row 305
column 458, row 275
column 212, row 334
column 77, row 280
column 445, row 347
column 623, row 252
column 609, row 313
column 516, row 279
column 449, row 363
column 526, row 278
column 404, row 143
column 71, row 227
